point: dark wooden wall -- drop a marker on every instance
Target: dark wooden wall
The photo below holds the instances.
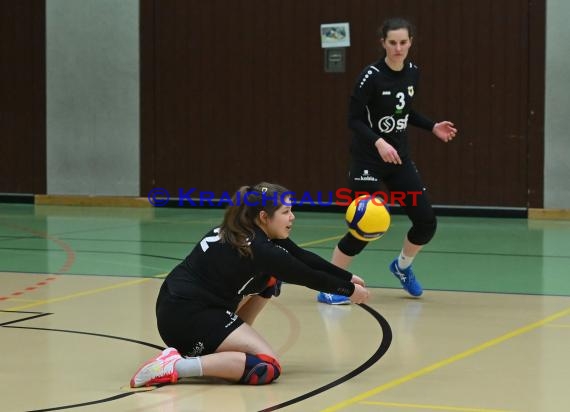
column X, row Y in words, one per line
column 234, row 92
column 22, row 96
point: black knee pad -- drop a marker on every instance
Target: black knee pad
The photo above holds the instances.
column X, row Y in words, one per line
column 422, row 232
column 351, row 246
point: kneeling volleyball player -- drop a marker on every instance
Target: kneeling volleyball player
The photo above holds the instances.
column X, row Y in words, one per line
column 208, row 302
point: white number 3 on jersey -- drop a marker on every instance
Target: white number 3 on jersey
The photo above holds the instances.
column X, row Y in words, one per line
column 402, row 98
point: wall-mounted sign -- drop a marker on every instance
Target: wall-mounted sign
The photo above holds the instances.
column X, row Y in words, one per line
column 335, row 35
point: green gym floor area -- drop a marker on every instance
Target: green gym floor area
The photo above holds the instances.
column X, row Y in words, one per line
column 501, row 255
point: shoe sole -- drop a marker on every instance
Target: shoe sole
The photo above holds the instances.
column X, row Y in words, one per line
column 404, row 287
column 346, row 302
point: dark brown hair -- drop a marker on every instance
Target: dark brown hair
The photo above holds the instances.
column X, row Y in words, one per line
column 238, row 225
column 395, row 23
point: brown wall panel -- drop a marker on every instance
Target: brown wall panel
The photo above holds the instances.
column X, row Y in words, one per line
column 535, row 109
column 235, row 92
column 22, row 96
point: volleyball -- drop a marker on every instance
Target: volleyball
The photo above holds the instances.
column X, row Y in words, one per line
column 367, row 218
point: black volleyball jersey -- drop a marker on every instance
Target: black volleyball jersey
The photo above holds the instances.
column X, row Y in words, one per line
column 381, row 106
column 214, row 273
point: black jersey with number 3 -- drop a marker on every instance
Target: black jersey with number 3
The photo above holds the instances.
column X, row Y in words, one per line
column 214, row 273
column 381, row 106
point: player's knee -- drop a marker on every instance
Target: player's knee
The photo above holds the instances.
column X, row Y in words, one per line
column 351, row 246
column 260, row 369
column 422, row 232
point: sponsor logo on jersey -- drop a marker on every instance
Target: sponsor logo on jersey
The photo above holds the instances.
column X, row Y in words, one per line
column 411, row 91
column 197, row 349
column 233, row 318
column 365, row 177
column 387, row 124
column 386, row 93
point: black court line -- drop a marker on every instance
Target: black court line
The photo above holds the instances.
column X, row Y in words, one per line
column 372, row 249
column 382, row 349
column 35, row 272
column 37, row 234
column 104, row 252
column 34, row 316
column 5, row 324
column 63, row 236
column 318, row 247
column 18, row 237
column 77, row 405
column 192, row 244
column 106, row 240
column 100, row 335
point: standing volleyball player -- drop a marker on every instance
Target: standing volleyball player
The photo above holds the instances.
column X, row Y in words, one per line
column 208, row 302
column 379, row 113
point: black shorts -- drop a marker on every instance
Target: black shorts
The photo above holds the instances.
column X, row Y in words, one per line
column 193, row 329
column 397, row 179
column 404, row 177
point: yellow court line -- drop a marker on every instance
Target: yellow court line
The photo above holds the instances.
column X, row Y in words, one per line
column 316, row 242
column 80, row 294
column 21, row 300
column 434, row 407
column 559, row 325
column 448, row 361
column 129, row 283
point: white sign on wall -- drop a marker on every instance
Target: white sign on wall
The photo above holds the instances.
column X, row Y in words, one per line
column 335, row 35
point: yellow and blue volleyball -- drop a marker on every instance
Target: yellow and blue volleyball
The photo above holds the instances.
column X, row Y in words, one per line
column 367, row 218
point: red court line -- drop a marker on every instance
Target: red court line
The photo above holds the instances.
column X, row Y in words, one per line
column 69, row 261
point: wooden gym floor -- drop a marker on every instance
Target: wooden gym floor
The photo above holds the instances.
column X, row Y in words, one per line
column 491, row 333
